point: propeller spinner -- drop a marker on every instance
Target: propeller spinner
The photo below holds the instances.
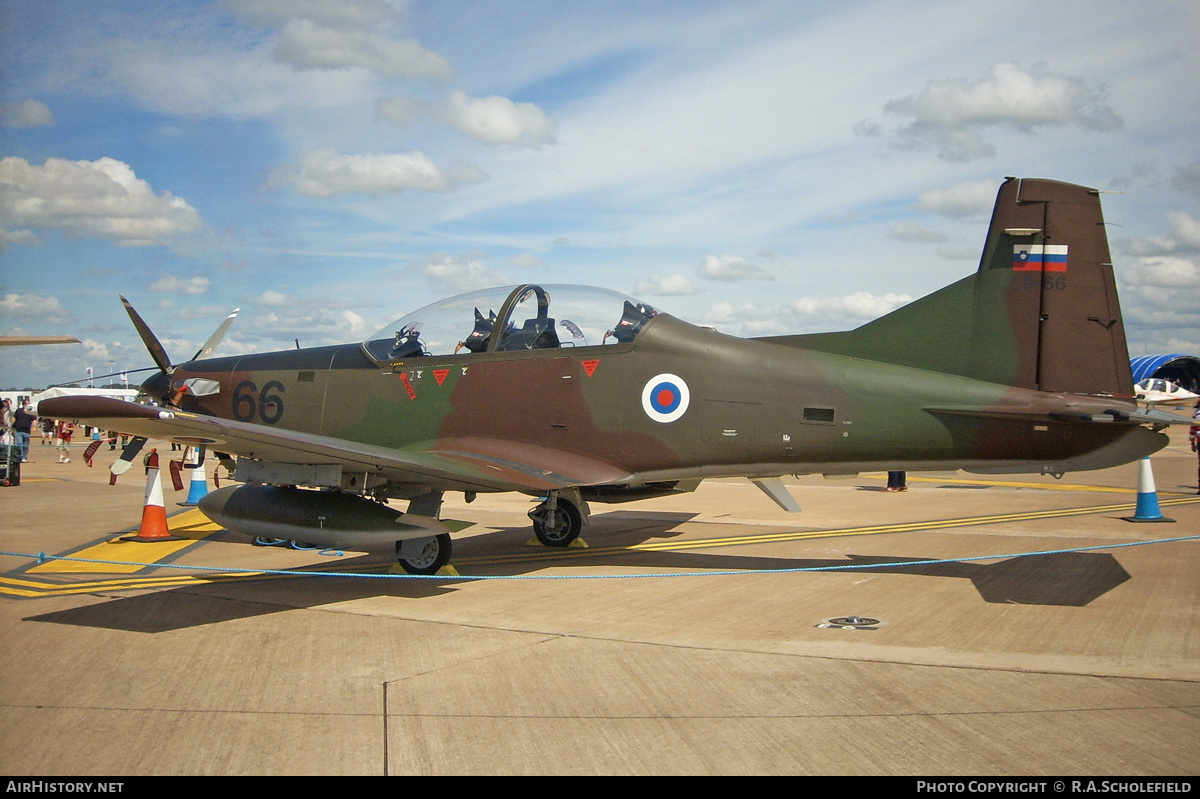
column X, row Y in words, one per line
column 158, row 386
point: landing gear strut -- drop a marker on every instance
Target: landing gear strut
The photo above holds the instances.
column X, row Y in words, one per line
column 424, row 555
column 557, row 521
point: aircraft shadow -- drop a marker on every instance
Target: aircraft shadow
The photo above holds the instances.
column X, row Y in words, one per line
column 197, row 605
column 1070, row 579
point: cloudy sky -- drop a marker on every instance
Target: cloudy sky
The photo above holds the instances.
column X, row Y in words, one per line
column 764, row 167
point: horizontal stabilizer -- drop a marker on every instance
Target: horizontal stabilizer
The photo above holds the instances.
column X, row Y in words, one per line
column 1149, row 416
column 1125, row 415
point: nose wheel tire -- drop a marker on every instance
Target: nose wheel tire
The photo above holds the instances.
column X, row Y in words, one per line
column 567, row 523
column 424, row 555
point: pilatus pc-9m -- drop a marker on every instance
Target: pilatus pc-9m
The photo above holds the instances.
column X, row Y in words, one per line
column 580, row 396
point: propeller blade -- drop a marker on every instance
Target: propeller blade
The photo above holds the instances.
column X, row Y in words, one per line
column 123, row 463
column 215, row 339
column 226, row 460
column 148, row 338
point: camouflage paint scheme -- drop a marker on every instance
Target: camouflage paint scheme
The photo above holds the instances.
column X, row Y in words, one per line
column 1021, row 367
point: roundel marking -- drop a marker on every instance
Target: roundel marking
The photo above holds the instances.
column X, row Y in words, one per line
column 665, row 397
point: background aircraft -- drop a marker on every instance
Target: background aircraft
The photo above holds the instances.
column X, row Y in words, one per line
column 1157, row 391
column 583, row 395
column 25, row 341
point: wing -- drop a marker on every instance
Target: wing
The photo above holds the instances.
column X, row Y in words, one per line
column 463, row 464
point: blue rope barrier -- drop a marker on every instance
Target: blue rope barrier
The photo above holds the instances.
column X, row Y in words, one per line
column 42, row 556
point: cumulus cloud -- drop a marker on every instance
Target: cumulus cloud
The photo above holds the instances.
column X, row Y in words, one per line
column 307, row 45
column 1160, row 283
column 665, row 286
column 459, row 272
column 310, row 323
column 490, row 120
column 807, row 314
column 1166, row 272
column 1184, row 230
column 960, row 200
column 181, row 285
column 102, row 199
column 25, row 114
column 527, row 260
column 959, row 253
column 860, row 304
column 1163, row 293
column 731, row 268
column 34, row 306
column 99, row 350
column 326, row 172
column 949, row 114
column 1187, row 178
column 275, row 299
column 342, row 14
column 25, row 237
column 1184, row 237
column 915, row 232
column 208, row 312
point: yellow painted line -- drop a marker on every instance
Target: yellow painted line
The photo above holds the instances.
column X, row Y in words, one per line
column 1015, row 484
column 17, row 587
column 1042, row 486
column 770, row 538
column 23, row 588
column 191, row 525
column 10, row 586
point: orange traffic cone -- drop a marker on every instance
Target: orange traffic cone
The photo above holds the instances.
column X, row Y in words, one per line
column 154, row 515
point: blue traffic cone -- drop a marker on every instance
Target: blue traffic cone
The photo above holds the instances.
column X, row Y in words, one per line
column 198, row 485
column 1147, row 497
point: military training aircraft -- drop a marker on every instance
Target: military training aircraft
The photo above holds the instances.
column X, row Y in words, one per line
column 579, row 396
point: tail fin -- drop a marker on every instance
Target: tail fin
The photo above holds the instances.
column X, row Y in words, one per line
column 1041, row 312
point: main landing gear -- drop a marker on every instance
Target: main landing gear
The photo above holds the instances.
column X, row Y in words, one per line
column 424, row 555
column 558, row 521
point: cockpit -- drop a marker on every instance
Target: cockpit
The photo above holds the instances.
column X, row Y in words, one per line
column 526, row 317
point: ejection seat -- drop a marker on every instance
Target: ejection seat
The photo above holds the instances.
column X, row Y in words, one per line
column 535, row 334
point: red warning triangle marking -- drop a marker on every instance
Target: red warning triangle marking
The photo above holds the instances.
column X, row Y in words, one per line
column 590, row 366
column 440, row 375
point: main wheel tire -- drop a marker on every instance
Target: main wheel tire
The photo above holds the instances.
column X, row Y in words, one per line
column 434, row 554
column 567, row 525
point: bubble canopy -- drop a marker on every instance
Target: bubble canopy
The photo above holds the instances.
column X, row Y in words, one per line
column 512, row 318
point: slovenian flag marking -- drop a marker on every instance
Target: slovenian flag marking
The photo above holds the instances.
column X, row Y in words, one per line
column 1039, row 257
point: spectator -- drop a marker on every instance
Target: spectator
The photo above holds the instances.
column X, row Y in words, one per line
column 22, row 427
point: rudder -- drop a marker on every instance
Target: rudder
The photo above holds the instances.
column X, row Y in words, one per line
column 1047, row 276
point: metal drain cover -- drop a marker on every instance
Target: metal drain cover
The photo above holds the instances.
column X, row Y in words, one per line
column 851, row 623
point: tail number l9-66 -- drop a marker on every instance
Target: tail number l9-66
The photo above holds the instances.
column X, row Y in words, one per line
column 248, row 401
